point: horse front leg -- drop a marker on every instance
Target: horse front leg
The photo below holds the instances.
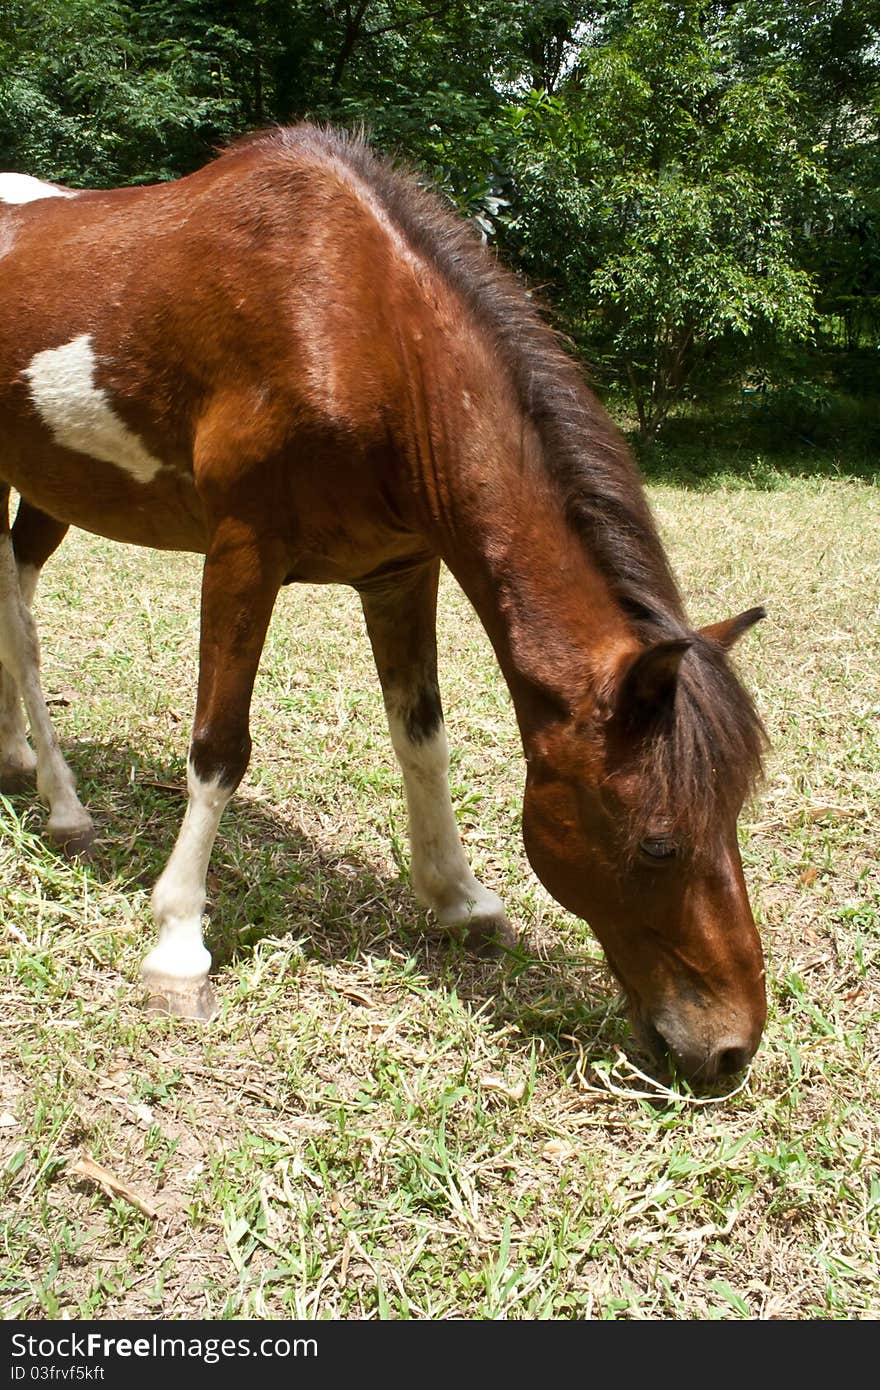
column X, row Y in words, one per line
column 35, row 536
column 70, row 825
column 401, row 622
column 241, row 578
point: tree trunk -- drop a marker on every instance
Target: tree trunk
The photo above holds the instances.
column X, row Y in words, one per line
column 353, row 27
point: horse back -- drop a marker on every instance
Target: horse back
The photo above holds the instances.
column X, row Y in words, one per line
column 242, row 331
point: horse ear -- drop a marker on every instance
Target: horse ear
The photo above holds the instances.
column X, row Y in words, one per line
column 724, row 634
column 649, row 682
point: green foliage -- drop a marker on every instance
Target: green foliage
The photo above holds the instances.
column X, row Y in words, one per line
column 665, row 184
column 695, row 186
column 830, row 51
column 99, row 91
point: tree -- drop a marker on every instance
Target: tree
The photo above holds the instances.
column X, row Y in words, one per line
column 693, row 184
column 832, row 53
column 661, row 183
column 94, row 92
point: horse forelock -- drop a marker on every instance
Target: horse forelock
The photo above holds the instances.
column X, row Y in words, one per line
column 700, row 760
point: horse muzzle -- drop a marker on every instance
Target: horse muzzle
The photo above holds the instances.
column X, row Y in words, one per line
column 704, row 1052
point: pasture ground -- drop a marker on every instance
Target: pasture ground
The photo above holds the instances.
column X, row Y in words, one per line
column 377, row 1125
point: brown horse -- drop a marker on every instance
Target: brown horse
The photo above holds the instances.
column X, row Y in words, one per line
column 298, row 364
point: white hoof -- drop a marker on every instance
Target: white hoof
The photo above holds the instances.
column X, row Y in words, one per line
column 180, row 998
column 176, row 980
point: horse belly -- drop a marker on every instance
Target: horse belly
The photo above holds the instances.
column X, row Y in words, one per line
column 98, row 496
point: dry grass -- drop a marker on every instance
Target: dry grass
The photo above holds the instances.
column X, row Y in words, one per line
column 377, row 1125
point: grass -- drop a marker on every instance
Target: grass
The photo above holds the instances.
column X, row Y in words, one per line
column 377, row 1125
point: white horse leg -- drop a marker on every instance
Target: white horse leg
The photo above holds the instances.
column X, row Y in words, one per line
column 442, row 877
column 243, row 572
column 69, row 824
column 17, row 759
column 176, row 971
column 400, row 617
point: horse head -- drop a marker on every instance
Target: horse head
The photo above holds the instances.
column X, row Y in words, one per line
column 630, row 821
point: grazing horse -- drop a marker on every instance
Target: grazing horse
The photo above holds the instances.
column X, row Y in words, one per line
column 297, row 363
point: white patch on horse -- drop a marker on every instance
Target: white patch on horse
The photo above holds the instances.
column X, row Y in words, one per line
column 79, row 413
column 23, row 188
column 441, row 875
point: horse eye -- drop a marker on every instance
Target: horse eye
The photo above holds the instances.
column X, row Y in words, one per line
column 658, row 848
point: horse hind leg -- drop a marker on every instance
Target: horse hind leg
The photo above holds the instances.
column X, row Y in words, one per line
column 35, row 536
column 18, row 761
column 69, row 825
column 401, row 622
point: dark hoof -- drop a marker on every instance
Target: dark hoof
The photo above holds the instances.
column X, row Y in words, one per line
column 176, row 999
column 489, row 937
column 75, row 844
column 17, row 781
column 493, row 938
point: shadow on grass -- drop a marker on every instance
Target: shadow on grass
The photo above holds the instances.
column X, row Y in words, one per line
column 764, row 448
column 270, row 880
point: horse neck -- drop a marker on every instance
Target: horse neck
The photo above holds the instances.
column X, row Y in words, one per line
column 557, row 629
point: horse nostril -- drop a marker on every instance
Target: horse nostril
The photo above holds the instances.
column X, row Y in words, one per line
column 729, row 1060
column 697, row 1059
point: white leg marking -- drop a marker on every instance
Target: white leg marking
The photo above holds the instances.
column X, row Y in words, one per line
column 179, row 956
column 17, row 758
column 28, row 575
column 441, row 875
column 79, row 413
column 24, row 188
column 20, row 654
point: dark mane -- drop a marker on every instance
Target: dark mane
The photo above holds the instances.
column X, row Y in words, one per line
column 704, row 761
column 584, row 453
